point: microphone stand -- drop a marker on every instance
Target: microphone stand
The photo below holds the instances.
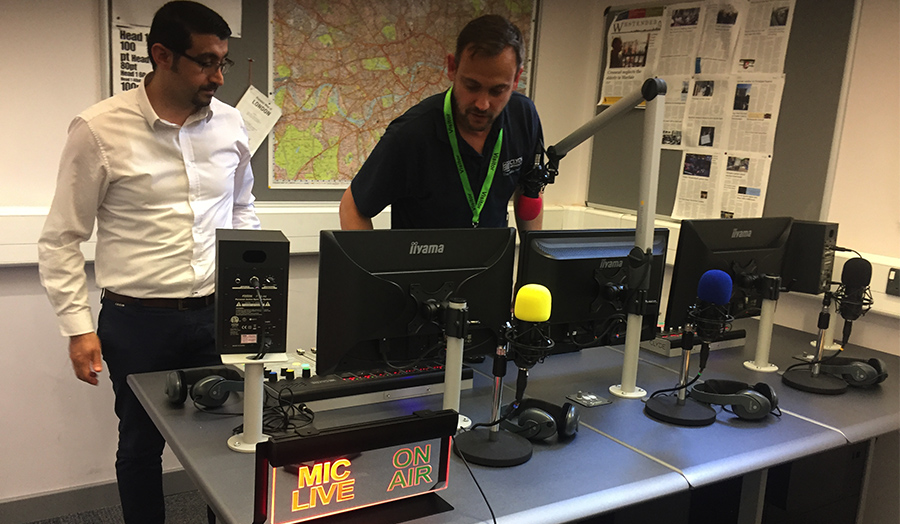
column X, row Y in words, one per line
column 681, row 409
column 493, row 447
column 653, row 91
column 808, row 377
column 830, row 344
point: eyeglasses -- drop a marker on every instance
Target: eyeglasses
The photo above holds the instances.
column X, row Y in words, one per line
column 209, row 66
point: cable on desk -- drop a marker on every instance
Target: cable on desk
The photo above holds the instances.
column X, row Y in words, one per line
column 676, row 388
column 477, row 485
column 283, row 416
column 810, row 363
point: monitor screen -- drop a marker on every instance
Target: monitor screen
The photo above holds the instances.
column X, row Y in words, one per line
column 745, row 248
column 381, row 294
column 585, row 271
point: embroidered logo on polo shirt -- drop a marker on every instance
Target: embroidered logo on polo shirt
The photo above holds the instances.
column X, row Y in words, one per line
column 511, row 166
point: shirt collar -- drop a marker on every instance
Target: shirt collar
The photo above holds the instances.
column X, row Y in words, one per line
column 441, row 128
column 204, row 113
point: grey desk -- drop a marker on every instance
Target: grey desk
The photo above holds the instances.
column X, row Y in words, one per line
column 859, row 414
column 728, row 448
column 620, row 457
column 562, row 482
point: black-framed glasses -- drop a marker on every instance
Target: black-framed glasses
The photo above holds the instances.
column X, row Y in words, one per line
column 210, row 66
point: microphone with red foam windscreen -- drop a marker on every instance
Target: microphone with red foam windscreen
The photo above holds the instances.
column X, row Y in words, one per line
column 529, row 203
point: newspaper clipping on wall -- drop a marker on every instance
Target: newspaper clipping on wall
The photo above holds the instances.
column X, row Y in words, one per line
column 723, row 64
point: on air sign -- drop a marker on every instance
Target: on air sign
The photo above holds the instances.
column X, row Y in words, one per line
column 307, row 477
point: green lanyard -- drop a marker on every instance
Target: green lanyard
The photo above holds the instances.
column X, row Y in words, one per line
column 463, row 176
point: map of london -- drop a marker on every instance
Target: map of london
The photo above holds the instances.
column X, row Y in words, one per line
column 343, row 69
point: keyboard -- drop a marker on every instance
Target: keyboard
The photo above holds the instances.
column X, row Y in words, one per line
column 334, row 391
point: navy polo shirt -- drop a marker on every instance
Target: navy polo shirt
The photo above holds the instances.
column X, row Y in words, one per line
column 412, row 167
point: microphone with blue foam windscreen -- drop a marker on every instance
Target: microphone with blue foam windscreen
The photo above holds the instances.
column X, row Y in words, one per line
column 715, row 287
column 710, row 315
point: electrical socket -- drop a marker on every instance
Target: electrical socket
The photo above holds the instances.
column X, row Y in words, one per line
column 893, row 283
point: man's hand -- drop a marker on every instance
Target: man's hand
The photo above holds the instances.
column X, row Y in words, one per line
column 84, row 351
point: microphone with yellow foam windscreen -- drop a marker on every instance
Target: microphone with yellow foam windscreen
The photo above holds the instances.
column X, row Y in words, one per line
column 533, row 303
column 528, row 340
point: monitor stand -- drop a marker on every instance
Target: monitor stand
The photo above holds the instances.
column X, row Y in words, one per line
column 456, row 331
column 760, row 362
column 246, row 441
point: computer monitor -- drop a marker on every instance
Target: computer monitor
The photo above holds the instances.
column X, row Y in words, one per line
column 587, row 274
column 745, row 248
column 381, row 294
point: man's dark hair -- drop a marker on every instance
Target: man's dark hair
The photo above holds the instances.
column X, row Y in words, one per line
column 491, row 34
column 175, row 22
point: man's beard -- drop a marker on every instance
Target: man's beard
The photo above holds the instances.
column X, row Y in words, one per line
column 467, row 124
column 200, row 100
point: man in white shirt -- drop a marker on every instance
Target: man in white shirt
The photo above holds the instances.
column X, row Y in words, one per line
column 159, row 168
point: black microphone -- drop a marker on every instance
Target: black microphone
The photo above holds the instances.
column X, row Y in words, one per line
column 853, row 296
column 529, row 203
column 710, row 315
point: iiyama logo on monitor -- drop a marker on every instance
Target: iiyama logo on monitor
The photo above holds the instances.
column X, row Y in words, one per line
column 741, row 233
column 425, row 249
column 604, row 264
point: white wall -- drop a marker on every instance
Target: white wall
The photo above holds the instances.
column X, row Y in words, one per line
column 49, row 72
column 69, row 427
column 866, row 196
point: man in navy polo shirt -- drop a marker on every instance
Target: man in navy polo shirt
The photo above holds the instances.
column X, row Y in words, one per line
column 454, row 160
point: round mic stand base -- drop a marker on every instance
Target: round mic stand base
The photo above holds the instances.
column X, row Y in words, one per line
column 498, row 449
column 690, row 413
column 804, row 380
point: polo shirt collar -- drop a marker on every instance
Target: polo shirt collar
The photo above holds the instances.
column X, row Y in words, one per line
column 441, row 128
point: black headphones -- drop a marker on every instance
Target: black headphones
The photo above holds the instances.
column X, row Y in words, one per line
column 537, row 419
column 208, row 387
column 857, row 372
column 748, row 402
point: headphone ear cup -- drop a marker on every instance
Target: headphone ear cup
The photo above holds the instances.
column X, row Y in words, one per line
column 766, row 390
column 565, row 417
column 751, row 405
column 180, row 382
column 880, row 368
column 531, row 423
column 860, row 374
column 208, row 391
column 538, row 423
column 568, row 426
column 176, row 387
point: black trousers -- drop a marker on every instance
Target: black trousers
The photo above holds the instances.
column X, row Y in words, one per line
column 139, row 339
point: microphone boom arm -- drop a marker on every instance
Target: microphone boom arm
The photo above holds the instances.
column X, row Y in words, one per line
column 651, row 88
column 653, row 92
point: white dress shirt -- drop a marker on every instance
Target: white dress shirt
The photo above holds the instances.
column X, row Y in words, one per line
column 158, row 192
